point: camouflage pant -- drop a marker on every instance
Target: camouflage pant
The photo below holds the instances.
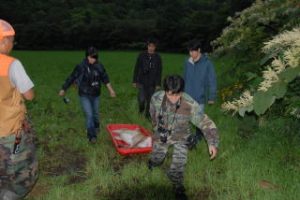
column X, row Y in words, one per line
column 179, row 159
column 18, row 172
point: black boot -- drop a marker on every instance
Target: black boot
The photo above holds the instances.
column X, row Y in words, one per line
column 97, row 127
column 180, row 193
column 92, row 135
column 150, row 165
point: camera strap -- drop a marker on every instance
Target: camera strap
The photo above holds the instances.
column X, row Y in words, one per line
column 163, row 109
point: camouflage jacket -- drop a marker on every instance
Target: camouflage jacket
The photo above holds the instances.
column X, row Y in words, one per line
column 177, row 118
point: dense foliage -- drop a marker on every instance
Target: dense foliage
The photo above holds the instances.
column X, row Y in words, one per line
column 257, row 24
column 112, row 24
column 283, row 50
column 267, row 36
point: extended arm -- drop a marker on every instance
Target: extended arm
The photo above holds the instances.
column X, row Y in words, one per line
column 208, row 127
column 72, row 77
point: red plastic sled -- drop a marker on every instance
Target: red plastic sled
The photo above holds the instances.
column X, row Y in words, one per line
column 119, row 144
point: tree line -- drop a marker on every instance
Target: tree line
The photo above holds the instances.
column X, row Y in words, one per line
column 117, row 24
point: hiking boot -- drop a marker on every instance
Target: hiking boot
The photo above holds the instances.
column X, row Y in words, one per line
column 180, row 193
column 150, row 165
column 93, row 140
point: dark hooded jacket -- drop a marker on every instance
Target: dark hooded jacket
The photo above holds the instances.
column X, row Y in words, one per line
column 88, row 78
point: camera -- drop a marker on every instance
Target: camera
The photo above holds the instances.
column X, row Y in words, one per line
column 66, row 100
column 163, row 132
column 95, row 84
column 192, row 141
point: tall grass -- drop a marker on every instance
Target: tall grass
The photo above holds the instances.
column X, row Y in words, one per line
column 264, row 165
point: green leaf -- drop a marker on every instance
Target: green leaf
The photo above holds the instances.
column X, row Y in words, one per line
column 267, row 57
column 250, row 76
column 289, row 74
column 262, row 101
column 278, row 89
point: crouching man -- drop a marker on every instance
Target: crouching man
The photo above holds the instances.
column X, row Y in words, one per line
column 171, row 112
column 18, row 164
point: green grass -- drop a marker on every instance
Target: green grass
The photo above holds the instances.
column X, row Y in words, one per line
column 258, row 164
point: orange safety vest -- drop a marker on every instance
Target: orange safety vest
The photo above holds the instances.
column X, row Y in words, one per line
column 12, row 107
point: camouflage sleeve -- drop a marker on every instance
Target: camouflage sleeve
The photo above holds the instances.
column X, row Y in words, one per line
column 152, row 111
column 210, row 131
column 207, row 126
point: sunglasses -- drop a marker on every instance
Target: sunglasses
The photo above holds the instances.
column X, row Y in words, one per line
column 94, row 56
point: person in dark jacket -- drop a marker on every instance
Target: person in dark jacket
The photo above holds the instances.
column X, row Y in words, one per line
column 88, row 76
column 200, row 79
column 147, row 76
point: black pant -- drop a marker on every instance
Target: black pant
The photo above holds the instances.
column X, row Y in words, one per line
column 144, row 98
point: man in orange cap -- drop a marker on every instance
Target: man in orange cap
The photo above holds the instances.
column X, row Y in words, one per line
column 18, row 164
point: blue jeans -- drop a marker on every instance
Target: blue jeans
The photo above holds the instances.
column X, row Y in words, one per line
column 199, row 133
column 90, row 106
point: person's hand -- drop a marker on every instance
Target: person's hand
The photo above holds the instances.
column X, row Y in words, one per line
column 211, row 102
column 112, row 94
column 212, row 151
column 61, row 93
column 134, row 85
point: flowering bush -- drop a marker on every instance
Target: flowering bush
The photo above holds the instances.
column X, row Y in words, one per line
column 253, row 26
column 284, row 53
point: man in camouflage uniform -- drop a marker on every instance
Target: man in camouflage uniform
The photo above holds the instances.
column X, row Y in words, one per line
column 18, row 165
column 171, row 112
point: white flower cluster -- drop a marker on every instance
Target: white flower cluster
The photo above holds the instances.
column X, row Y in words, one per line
column 262, row 12
column 270, row 76
column 286, row 44
column 283, row 41
column 244, row 101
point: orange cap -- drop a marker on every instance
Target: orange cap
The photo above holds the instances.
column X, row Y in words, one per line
column 6, row 29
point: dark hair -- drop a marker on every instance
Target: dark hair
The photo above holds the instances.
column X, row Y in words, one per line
column 152, row 40
column 91, row 51
column 194, row 45
column 173, row 84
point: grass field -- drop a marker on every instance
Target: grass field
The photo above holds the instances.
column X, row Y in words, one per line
column 253, row 163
